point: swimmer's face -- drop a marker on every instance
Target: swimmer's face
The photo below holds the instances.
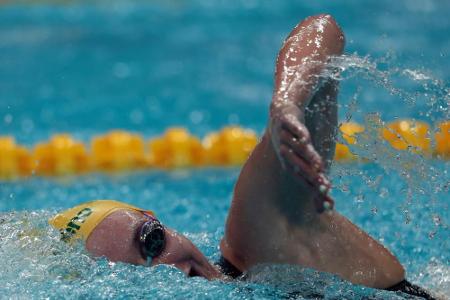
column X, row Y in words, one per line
column 116, row 238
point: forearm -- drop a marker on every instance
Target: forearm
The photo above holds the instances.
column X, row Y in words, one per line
column 299, row 68
column 301, row 61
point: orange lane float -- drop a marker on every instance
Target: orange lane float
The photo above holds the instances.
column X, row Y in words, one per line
column 15, row 161
column 177, row 148
column 349, row 131
column 118, row 150
column 442, row 138
column 62, row 155
column 230, row 146
column 409, row 135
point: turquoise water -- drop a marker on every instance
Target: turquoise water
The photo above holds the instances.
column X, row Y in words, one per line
column 143, row 66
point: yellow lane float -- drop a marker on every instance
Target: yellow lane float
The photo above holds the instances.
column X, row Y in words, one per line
column 408, row 135
column 118, row 150
column 349, row 131
column 62, row 155
column 442, row 138
column 177, row 148
column 230, row 146
column 15, row 160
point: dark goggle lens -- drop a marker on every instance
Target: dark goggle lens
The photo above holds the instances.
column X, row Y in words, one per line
column 152, row 238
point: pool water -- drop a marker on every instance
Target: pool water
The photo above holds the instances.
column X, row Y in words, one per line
column 86, row 68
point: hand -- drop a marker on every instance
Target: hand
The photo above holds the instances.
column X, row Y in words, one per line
column 292, row 143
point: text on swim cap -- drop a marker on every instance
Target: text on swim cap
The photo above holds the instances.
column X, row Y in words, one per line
column 74, row 224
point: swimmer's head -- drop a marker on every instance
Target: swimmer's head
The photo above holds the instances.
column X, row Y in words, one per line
column 78, row 222
column 121, row 232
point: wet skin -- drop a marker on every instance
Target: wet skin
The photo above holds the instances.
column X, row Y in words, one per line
column 116, row 237
column 281, row 211
column 277, row 213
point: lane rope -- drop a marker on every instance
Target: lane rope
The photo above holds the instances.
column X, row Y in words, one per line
column 120, row 150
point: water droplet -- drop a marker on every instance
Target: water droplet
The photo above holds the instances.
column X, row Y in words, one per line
column 384, row 193
column 360, row 198
column 437, row 220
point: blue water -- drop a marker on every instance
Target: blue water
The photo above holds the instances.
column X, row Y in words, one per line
column 85, row 68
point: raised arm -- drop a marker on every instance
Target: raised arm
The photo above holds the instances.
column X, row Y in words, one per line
column 276, row 214
column 302, row 98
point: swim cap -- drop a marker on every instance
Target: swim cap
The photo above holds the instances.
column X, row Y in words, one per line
column 78, row 222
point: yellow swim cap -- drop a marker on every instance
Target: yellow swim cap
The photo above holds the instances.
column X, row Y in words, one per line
column 78, row 222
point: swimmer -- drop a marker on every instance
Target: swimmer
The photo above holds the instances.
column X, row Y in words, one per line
column 124, row 233
column 281, row 212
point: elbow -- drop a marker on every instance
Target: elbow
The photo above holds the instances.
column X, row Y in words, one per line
column 332, row 32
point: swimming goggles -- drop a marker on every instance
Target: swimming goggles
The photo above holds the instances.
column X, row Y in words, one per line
column 152, row 237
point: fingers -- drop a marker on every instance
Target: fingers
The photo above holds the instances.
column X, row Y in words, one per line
column 302, row 148
column 298, row 164
column 303, row 169
column 323, row 203
column 296, row 135
column 296, row 153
